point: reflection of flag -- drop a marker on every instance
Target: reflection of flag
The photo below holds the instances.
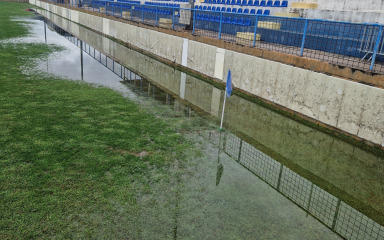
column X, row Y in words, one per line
column 229, row 84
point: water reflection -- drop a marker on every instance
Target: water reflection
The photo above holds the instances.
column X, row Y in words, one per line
column 331, row 180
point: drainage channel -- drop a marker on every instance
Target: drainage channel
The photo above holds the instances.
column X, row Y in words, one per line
column 329, row 179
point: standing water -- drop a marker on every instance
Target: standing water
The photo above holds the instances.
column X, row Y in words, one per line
column 269, row 178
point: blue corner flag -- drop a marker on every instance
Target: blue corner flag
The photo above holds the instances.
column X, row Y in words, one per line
column 229, row 84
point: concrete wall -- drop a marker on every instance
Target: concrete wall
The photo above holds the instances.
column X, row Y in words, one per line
column 349, row 106
column 367, row 11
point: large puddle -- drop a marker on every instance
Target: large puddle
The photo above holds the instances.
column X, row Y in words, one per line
column 266, row 177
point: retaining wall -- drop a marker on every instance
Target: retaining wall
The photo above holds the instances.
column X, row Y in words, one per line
column 354, row 108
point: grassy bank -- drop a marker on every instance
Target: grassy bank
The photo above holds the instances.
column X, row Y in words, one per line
column 74, row 159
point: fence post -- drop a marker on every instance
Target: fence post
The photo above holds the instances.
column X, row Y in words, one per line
column 106, row 8
column 142, row 15
column 304, row 34
column 376, row 48
column 255, row 33
column 131, row 13
column 121, row 10
column 221, row 21
column 173, row 18
column 194, row 22
column 113, row 9
column 157, row 10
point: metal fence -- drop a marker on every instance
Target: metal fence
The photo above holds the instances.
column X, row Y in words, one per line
column 331, row 211
column 359, row 46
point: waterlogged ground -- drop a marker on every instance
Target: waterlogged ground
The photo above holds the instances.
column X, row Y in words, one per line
column 98, row 159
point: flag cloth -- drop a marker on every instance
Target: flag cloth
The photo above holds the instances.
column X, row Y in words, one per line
column 229, row 84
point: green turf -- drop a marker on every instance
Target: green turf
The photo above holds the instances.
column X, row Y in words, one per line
column 69, row 152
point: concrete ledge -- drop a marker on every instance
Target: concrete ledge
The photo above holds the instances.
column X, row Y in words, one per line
column 304, row 5
column 269, row 25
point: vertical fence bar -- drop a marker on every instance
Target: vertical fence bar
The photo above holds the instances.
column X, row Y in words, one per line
column 304, row 34
column 157, row 10
column 221, row 22
column 241, row 146
column 255, row 33
column 131, row 13
column 121, row 10
column 113, row 9
column 336, row 214
column 280, row 174
column 105, row 8
column 376, row 48
column 173, row 18
column 194, row 22
column 142, row 15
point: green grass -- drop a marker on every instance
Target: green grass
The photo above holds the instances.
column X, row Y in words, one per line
column 68, row 151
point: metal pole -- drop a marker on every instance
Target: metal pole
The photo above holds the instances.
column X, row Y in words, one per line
column 121, row 10
column 131, row 13
column 222, row 113
column 241, row 146
column 194, row 17
column 221, row 21
column 376, row 48
column 254, row 34
column 173, row 18
column 45, row 32
column 304, row 34
column 106, row 8
column 157, row 9
column 142, row 15
column 81, row 59
column 280, row 174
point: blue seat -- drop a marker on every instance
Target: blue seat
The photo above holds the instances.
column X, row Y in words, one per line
column 210, row 1
column 246, row 11
column 256, row 3
column 244, row 3
column 213, row 1
column 276, row 4
column 250, row 3
column 228, row 2
column 253, row 11
column 228, row 10
column 233, row 2
column 214, row 9
column 269, row 3
column 240, row 10
column 209, row 8
column 284, row 4
column 200, row 7
column 234, row 20
column 240, row 21
column 259, row 11
column 262, row 3
column 267, row 12
column 234, row 10
column 222, row 9
column 238, row 2
column 204, row 8
column 247, row 22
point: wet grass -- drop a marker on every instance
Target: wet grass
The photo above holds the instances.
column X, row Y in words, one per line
column 74, row 158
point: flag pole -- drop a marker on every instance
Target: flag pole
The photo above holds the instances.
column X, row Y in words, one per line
column 222, row 113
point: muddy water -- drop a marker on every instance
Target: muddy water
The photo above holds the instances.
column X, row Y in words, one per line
column 273, row 179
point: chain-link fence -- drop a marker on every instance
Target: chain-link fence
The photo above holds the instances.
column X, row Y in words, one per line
column 358, row 46
column 331, row 211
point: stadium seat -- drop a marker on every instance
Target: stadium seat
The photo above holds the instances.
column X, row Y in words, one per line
column 244, row 3
column 267, row 12
column 247, row 22
column 259, row 11
column 250, row 3
column 269, row 3
column 234, row 10
column 222, row 9
column 240, row 10
column 253, row 11
column 256, row 3
column 240, row 21
column 262, row 3
column 228, row 10
column 238, row 2
column 214, row 9
column 209, row 8
column 246, row 11
column 228, row 2
column 284, row 4
column 234, row 20
column 233, row 2
column 276, row 4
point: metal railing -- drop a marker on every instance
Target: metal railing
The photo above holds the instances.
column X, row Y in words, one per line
column 359, row 46
column 331, row 211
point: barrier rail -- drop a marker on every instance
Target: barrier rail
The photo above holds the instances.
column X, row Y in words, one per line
column 354, row 45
